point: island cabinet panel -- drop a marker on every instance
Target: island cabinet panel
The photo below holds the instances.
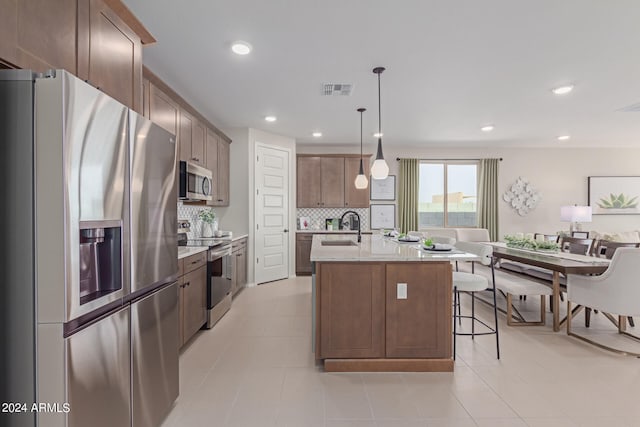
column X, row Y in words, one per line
column 351, row 310
column 420, row 325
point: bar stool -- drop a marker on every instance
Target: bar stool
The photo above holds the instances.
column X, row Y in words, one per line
column 472, row 283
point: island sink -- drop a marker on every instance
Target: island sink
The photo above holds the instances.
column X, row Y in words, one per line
column 338, row 243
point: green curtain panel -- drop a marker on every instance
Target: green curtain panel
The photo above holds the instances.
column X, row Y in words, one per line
column 408, row 194
column 488, row 197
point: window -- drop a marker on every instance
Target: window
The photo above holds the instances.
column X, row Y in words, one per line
column 448, row 194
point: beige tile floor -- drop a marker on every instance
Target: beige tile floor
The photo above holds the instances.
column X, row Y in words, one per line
column 255, row 368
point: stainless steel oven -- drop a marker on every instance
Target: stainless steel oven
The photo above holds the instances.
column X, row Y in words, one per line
column 218, row 283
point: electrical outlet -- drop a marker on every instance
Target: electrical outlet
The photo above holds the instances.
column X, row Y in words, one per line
column 402, row 291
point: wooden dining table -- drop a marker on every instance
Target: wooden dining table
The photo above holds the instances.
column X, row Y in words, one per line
column 558, row 263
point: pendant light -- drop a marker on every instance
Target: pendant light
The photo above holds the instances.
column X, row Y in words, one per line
column 379, row 169
column 361, row 179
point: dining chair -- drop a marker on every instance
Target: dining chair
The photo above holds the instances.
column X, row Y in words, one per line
column 472, row 283
column 576, row 245
column 580, row 234
column 615, row 291
column 547, row 237
column 606, row 249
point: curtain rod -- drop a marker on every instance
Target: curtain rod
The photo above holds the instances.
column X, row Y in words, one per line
column 398, row 159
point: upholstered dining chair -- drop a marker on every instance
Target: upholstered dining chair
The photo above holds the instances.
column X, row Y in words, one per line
column 576, row 245
column 616, row 291
column 606, row 249
column 472, row 283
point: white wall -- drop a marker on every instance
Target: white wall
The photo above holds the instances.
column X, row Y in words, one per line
column 559, row 175
column 240, row 215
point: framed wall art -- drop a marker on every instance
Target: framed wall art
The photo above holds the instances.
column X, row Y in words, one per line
column 383, row 217
column 614, row 195
column 383, row 189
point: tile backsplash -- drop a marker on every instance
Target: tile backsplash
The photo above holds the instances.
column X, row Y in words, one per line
column 190, row 212
column 318, row 216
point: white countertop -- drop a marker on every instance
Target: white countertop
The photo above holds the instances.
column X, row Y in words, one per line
column 378, row 248
column 238, row 237
column 185, row 251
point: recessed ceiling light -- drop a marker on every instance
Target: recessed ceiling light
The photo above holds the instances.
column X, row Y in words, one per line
column 563, row 137
column 241, row 48
column 271, row 118
column 316, row 134
column 487, row 128
column 378, row 135
column 562, row 90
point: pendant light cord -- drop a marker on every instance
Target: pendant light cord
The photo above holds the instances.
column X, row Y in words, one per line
column 361, row 137
column 379, row 109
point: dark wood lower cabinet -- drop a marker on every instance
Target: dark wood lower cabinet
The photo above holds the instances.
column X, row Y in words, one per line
column 303, row 253
column 419, row 326
column 361, row 324
column 194, row 297
column 352, row 310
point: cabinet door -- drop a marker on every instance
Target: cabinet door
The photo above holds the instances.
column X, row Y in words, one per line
column 351, row 310
column 163, row 110
column 222, row 194
column 420, row 325
column 332, row 181
column 186, row 136
column 109, row 53
column 180, row 312
column 194, row 301
column 234, row 272
column 303, row 254
column 353, row 197
column 211, row 156
column 198, row 133
column 242, row 268
column 308, row 183
column 39, row 34
column 145, row 98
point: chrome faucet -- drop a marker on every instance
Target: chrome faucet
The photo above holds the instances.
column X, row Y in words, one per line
column 359, row 222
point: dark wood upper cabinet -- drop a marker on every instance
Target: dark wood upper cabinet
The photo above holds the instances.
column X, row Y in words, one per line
column 163, row 110
column 308, row 189
column 38, row 34
column 353, row 197
column 332, row 177
column 109, row 53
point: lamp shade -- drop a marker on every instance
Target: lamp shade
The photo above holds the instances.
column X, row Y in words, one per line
column 575, row 213
column 361, row 182
column 379, row 169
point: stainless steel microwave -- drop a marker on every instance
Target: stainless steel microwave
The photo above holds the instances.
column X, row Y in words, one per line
column 195, row 182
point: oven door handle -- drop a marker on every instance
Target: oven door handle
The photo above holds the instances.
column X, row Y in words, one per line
column 219, row 254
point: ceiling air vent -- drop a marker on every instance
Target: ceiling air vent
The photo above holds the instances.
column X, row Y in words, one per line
column 337, row 89
column 631, row 108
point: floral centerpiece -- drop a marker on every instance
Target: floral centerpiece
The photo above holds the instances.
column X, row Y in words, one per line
column 209, row 222
column 535, row 245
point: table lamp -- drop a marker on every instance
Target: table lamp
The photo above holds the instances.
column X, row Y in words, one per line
column 575, row 215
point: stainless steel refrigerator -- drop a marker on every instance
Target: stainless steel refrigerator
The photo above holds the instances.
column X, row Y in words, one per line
column 89, row 304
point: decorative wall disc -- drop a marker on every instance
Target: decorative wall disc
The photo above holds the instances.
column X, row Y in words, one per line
column 522, row 197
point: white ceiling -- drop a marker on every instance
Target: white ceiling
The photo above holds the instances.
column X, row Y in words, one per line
column 452, row 67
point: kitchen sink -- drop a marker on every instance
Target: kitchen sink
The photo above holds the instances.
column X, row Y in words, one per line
column 338, row 243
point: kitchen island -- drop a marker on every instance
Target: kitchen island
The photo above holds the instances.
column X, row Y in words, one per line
column 381, row 305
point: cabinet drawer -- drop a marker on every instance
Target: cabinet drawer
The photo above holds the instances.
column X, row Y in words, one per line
column 194, row 261
column 239, row 244
column 304, row 236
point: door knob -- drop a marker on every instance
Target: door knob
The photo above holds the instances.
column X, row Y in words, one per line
column 286, row 230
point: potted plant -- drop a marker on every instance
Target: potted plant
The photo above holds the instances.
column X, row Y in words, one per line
column 209, row 222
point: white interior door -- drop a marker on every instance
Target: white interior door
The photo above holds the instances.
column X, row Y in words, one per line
column 272, row 214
